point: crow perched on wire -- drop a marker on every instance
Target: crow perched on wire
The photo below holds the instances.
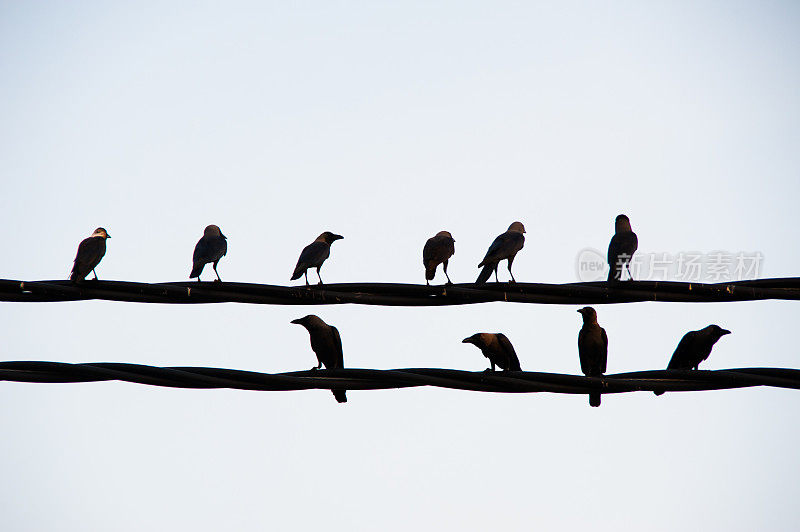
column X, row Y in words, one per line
column 438, row 250
column 621, row 248
column 504, row 246
column 327, row 345
column 211, row 247
column 314, row 254
column 90, row 251
column 497, row 348
column 695, row 347
column 592, row 349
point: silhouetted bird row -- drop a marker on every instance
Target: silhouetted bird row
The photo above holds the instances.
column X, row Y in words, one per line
column 694, row 347
column 437, row 250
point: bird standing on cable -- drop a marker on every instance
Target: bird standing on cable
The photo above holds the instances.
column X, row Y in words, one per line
column 504, row 246
column 211, row 247
column 314, row 254
column 327, row 345
column 90, row 252
column 621, row 248
column 592, row 349
column 695, row 347
column 497, row 348
column 438, row 250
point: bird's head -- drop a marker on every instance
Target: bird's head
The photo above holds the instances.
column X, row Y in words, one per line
column 622, row 224
column 101, row 232
column 446, row 234
column 328, row 237
column 717, row 332
column 476, row 340
column 589, row 314
column 517, row 226
column 213, row 230
column 308, row 321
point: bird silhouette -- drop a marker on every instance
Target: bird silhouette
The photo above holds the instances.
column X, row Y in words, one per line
column 314, row 254
column 90, row 252
column 505, row 246
column 327, row 345
column 497, row 348
column 621, row 248
column 438, row 250
column 592, row 349
column 211, row 247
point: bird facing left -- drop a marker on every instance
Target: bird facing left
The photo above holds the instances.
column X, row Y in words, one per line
column 327, row 345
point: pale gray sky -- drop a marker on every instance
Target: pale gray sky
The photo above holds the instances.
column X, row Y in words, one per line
column 386, row 124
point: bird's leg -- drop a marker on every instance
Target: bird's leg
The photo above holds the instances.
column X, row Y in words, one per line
column 427, row 282
column 510, row 261
column 318, row 275
column 318, row 366
column 630, row 275
column 444, row 267
column 306, row 274
column 95, row 274
column 496, row 279
column 215, row 271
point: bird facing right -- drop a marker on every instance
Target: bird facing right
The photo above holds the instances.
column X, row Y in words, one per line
column 497, row 348
column 438, row 250
column 314, row 254
column 621, row 248
column 90, row 251
column 695, row 347
column 505, row 246
column 592, row 349
column 211, row 247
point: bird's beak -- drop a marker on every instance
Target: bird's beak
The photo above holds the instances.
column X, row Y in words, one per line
column 338, row 237
column 298, row 321
column 223, row 236
column 724, row 332
column 108, row 236
column 466, row 340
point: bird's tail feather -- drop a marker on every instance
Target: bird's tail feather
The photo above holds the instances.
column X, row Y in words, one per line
column 339, row 394
column 486, row 272
column 430, row 273
column 197, row 269
column 298, row 272
column 594, row 399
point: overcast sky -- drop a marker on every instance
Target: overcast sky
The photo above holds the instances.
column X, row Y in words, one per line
column 387, row 123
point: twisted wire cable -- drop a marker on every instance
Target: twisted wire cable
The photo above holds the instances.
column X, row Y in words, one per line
column 395, row 294
column 376, row 379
